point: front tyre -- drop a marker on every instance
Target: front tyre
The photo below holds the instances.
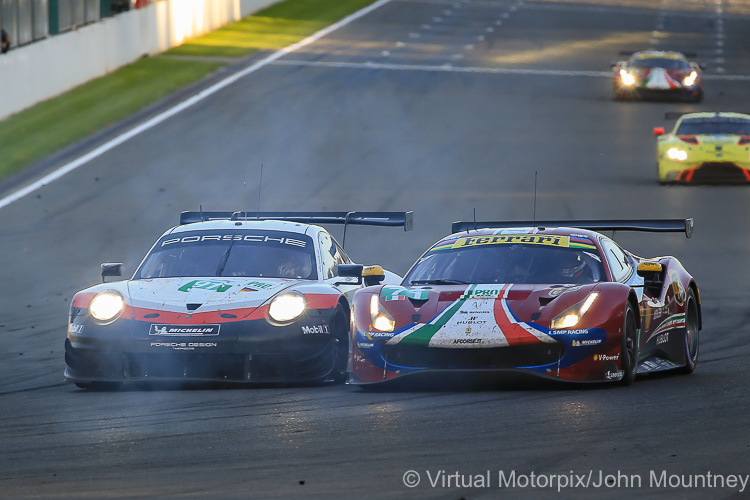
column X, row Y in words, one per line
column 629, row 351
column 692, row 332
column 339, row 345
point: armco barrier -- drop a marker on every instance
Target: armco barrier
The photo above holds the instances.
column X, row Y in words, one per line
column 41, row 70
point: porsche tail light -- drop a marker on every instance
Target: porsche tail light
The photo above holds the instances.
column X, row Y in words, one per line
column 745, row 139
column 690, row 139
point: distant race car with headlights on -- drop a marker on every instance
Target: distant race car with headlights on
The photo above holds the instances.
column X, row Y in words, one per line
column 565, row 303
column 657, row 74
column 229, row 298
column 704, row 148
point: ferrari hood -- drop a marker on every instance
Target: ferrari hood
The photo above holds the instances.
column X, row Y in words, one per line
column 203, row 294
column 478, row 315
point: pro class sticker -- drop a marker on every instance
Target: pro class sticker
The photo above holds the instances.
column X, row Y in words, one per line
column 184, row 330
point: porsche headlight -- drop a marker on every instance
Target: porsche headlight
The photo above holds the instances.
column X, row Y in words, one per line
column 286, row 307
column 571, row 316
column 689, row 80
column 106, row 305
column 381, row 320
column 627, row 78
column 677, row 154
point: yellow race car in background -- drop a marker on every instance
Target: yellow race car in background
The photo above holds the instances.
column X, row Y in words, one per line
column 704, row 148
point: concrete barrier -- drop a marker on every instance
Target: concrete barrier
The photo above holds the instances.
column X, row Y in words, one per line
column 44, row 69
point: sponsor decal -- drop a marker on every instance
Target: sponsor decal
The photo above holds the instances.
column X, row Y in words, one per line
column 672, row 322
column 216, row 286
column 586, row 342
column 678, row 289
column 471, row 320
column 75, row 329
column 365, row 345
column 400, row 293
column 234, row 237
column 468, row 341
column 606, row 357
column 581, row 242
column 480, row 292
column 511, row 239
column 254, row 286
column 662, row 339
column 610, row 375
column 378, row 335
column 315, row 329
column 184, row 346
column 184, row 330
column 583, row 331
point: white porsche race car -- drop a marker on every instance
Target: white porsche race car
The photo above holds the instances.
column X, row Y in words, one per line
column 226, row 297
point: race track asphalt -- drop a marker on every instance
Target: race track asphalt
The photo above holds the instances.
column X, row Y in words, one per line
column 446, row 108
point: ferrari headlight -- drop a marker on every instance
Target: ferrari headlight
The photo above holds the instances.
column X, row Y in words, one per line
column 381, row 320
column 627, row 78
column 677, row 154
column 106, row 305
column 689, row 80
column 571, row 316
column 286, row 307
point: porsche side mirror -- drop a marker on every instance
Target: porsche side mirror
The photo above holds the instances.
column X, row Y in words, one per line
column 658, row 131
column 349, row 271
column 111, row 269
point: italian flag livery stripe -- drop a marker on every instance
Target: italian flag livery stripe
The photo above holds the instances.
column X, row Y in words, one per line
column 481, row 317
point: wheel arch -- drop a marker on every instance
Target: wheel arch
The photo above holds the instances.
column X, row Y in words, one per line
column 633, row 300
column 694, row 287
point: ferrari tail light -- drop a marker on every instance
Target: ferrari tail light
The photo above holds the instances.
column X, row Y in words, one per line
column 745, row 139
column 690, row 139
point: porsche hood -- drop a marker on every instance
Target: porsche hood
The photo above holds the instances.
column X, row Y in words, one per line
column 203, row 294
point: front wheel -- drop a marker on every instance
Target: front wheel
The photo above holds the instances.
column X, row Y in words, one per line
column 629, row 351
column 339, row 346
column 691, row 336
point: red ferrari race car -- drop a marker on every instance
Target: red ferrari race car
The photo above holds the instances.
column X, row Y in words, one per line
column 565, row 303
column 657, row 74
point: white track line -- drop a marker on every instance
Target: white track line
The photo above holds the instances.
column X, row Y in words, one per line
column 109, row 145
column 475, row 69
column 445, row 68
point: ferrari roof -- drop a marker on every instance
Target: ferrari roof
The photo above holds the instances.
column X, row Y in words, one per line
column 658, row 54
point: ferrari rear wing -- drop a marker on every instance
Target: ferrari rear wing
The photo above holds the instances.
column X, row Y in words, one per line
column 402, row 219
column 647, row 225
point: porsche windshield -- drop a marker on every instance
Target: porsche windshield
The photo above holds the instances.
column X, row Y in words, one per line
column 269, row 254
column 714, row 126
column 508, row 263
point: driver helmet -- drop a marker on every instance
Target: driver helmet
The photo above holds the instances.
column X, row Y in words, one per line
column 570, row 264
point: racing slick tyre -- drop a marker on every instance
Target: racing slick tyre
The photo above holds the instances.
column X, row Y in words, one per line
column 340, row 346
column 691, row 333
column 629, row 352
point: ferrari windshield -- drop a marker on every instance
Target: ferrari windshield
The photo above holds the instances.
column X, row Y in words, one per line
column 714, row 126
column 534, row 263
column 269, row 254
column 657, row 62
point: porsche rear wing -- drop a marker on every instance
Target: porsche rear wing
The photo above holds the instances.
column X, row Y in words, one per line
column 647, row 225
column 401, row 219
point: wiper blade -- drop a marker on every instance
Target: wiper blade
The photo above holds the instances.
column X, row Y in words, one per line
column 439, row 282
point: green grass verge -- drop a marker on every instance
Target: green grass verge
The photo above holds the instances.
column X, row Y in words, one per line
column 54, row 124
column 51, row 125
column 273, row 28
